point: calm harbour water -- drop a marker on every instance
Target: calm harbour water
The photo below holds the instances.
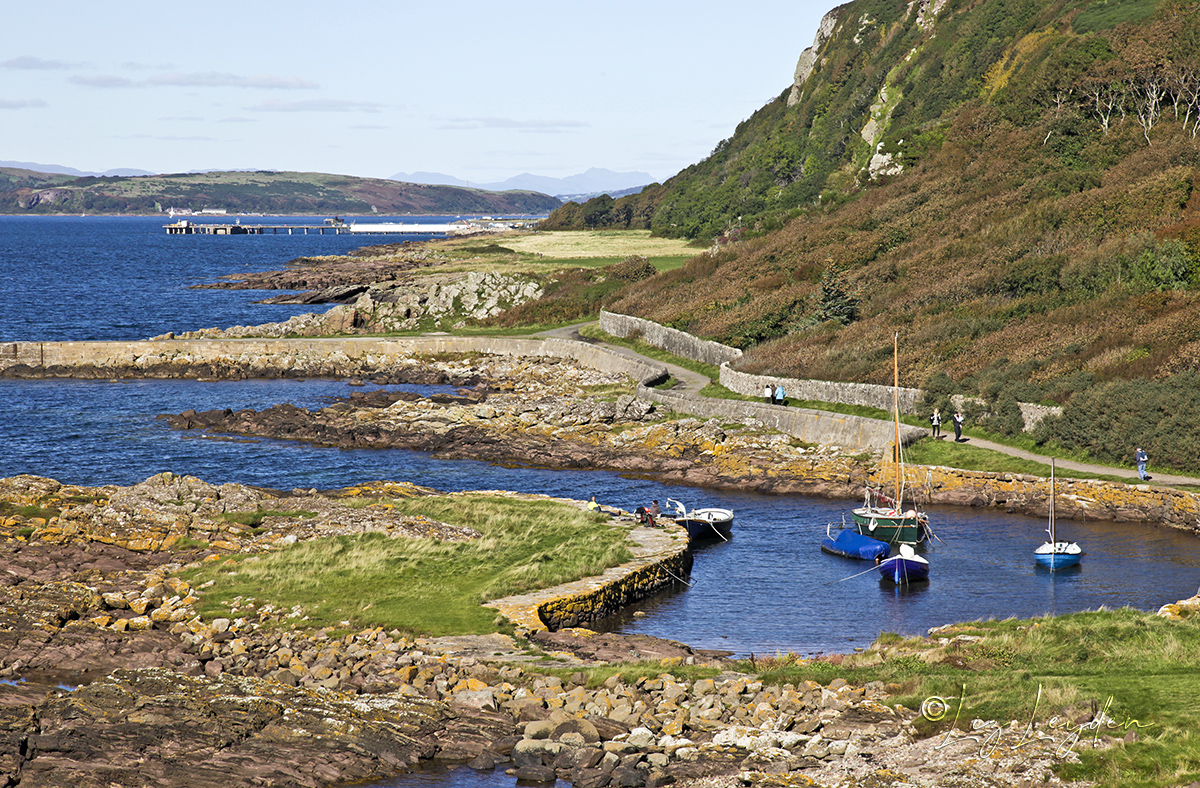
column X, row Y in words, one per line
column 769, row 589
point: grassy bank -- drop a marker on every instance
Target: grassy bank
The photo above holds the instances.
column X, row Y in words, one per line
column 1054, row 674
column 421, row 586
column 548, row 252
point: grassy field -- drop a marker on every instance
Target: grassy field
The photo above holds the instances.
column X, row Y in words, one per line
column 422, row 586
column 600, row 244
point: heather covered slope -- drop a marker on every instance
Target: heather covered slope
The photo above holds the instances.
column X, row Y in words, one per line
column 1026, row 217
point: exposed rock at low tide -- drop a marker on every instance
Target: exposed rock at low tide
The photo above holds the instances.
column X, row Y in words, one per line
column 539, row 413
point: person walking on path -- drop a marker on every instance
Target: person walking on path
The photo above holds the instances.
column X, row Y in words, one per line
column 936, row 421
column 768, row 394
column 1141, row 459
column 958, row 422
column 779, row 395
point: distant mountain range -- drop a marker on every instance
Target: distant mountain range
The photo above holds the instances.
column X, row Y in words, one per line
column 585, row 185
column 57, row 169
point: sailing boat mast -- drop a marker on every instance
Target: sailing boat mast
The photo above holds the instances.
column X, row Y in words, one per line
column 1051, row 529
column 896, row 408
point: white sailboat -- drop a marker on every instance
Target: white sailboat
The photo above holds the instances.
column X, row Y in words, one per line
column 1055, row 554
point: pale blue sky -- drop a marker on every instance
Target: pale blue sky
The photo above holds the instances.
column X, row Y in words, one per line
column 482, row 91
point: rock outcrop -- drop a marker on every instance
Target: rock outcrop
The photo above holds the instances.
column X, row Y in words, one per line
column 389, row 306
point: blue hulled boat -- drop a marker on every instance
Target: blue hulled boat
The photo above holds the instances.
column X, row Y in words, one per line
column 904, row 567
column 1055, row 554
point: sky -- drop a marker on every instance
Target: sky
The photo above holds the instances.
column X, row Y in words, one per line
column 480, row 91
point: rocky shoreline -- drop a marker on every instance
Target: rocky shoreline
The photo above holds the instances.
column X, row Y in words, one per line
column 547, row 413
column 109, row 677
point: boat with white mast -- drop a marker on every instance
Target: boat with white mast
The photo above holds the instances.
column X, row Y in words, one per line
column 1055, row 554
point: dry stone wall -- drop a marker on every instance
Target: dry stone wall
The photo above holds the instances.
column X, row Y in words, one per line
column 708, row 352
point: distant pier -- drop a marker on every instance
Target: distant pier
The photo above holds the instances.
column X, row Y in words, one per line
column 331, row 226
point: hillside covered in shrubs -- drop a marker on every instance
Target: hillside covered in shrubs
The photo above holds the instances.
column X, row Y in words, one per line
column 1010, row 186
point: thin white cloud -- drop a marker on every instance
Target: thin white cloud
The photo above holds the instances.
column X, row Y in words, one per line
column 132, row 65
column 32, row 63
column 172, row 138
column 21, row 103
column 102, row 81
column 533, row 126
column 317, row 105
column 223, row 80
column 239, row 119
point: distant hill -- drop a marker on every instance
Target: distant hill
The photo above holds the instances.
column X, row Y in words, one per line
column 24, row 191
column 60, row 170
column 593, row 182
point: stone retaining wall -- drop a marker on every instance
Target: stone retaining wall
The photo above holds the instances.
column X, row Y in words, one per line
column 865, row 394
column 672, row 340
column 661, row 558
column 854, row 433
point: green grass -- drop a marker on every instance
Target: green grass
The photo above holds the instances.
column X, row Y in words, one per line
column 423, row 586
column 29, row 510
column 1142, row 670
column 974, row 458
column 255, row 518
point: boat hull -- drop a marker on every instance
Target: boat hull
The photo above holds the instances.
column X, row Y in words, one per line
column 901, row 570
column 850, row 544
column 706, row 524
column 1058, row 555
column 889, row 526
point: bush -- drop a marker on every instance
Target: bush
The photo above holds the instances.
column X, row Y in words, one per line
column 1109, row 420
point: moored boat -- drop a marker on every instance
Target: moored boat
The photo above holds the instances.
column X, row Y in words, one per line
column 701, row 524
column 1055, row 554
column 882, row 517
column 904, row 567
column 850, row 544
column 888, row 523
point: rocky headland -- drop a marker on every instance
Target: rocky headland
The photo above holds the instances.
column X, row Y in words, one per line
column 377, row 289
